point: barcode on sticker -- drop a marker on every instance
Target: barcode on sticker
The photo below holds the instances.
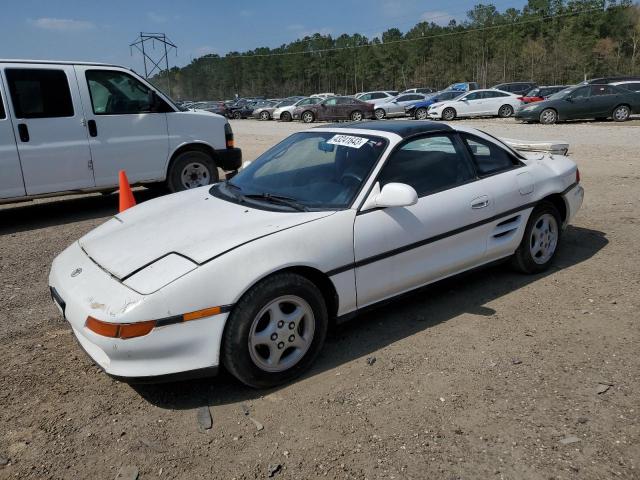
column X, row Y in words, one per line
column 348, row 141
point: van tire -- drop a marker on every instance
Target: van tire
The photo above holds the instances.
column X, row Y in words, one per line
column 200, row 163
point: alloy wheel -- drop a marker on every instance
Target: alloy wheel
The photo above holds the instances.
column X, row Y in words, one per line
column 544, row 239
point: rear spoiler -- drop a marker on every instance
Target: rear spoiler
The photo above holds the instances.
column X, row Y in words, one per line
column 556, row 148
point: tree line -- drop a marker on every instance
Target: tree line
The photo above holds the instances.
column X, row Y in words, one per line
column 547, row 41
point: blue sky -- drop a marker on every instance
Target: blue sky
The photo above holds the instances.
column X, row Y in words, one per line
column 102, row 30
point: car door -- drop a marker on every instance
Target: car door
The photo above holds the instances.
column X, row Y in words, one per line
column 126, row 132
column 398, row 249
column 48, row 126
column 509, row 183
column 328, row 110
column 471, row 104
column 578, row 104
column 603, row 100
column 11, row 183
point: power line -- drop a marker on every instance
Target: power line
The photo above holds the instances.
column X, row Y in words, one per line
column 414, row 39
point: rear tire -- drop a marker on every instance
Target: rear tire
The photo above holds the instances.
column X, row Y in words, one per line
column 191, row 169
column 449, row 114
column 505, row 111
column 421, row 114
column 540, row 240
column 621, row 113
column 260, row 346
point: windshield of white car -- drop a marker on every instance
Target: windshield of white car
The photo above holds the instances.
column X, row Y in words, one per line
column 307, row 171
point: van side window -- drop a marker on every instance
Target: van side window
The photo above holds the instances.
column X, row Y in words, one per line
column 39, row 93
column 117, row 93
column 2, row 114
column 488, row 157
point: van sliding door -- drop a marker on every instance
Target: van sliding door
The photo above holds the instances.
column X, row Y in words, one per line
column 11, row 184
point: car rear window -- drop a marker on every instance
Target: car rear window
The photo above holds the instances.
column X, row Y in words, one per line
column 39, row 93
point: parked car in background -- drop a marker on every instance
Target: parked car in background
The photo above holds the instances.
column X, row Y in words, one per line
column 373, row 97
column 631, row 85
column 323, row 95
column 322, row 225
column 583, row 102
column 285, row 112
column 519, row 88
column 605, row 80
column 477, row 103
column 541, row 93
column 213, row 107
column 335, row 108
column 419, row 109
column 263, row 112
column 420, row 90
column 464, row 86
column 70, row 127
column 394, row 106
column 245, row 110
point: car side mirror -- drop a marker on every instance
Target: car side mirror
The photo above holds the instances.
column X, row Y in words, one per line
column 396, row 195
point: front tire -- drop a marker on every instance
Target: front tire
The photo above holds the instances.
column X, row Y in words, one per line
column 421, row 114
column 191, row 169
column 275, row 331
column 380, row 113
column 540, row 241
column 264, row 116
column 448, row 114
column 548, row 116
column 237, row 115
column 505, row 111
column 308, row 117
column 356, row 116
column 285, row 117
column 621, row 113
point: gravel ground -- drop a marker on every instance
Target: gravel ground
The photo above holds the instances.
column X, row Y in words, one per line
column 487, row 375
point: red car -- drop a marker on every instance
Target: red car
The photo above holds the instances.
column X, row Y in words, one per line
column 335, row 108
column 541, row 93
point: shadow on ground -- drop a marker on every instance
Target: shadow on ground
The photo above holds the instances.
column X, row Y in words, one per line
column 375, row 329
column 20, row 217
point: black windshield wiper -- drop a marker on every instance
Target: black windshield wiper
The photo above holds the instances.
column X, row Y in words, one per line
column 282, row 200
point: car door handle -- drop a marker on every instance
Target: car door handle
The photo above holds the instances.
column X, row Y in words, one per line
column 23, row 131
column 93, row 128
column 480, row 202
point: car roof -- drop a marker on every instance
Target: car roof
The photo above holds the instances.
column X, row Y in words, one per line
column 57, row 62
column 402, row 128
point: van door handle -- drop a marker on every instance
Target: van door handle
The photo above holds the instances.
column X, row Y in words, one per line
column 480, row 202
column 23, row 131
column 93, row 128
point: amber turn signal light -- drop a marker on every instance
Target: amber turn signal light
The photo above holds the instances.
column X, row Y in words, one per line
column 119, row 330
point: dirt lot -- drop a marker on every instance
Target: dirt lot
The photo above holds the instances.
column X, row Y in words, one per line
column 487, row 375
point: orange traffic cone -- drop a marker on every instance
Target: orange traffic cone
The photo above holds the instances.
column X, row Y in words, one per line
column 125, row 194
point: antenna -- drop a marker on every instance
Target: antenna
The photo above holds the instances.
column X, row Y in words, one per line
column 154, row 63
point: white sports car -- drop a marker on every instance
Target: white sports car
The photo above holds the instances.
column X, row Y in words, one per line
column 478, row 103
column 248, row 273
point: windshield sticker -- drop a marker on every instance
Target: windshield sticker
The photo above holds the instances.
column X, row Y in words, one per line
column 348, row 141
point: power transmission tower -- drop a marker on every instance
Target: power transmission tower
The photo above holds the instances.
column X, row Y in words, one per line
column 145, row 43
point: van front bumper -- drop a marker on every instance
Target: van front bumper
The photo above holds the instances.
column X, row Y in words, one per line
column 229, row 158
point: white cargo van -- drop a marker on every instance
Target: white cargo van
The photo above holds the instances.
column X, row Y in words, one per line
column 68, row 127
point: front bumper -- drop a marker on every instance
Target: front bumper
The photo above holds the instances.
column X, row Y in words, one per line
column 178, row 349
column 229, row 158
column 528, row 115
column 434, row 113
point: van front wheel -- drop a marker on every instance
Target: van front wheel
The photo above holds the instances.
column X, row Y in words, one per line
column 191, row 169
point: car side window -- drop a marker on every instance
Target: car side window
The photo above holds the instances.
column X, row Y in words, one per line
column 3, row 115
column 39, row 93
column 599, row 90
column 473, row 96
column 365, row 97
column 429, row 164
column 331, row 102
column 582, row 92
column 117, row 93
column 487, row 156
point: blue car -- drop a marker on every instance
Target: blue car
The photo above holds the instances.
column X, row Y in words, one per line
column 419, row 109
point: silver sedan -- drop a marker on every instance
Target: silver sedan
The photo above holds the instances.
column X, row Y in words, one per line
column 394, row 107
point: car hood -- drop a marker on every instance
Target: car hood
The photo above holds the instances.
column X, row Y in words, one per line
column 193, row 224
